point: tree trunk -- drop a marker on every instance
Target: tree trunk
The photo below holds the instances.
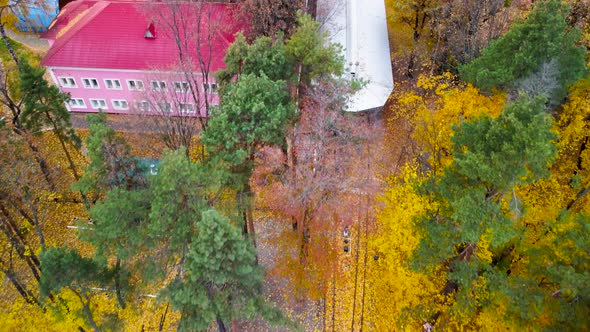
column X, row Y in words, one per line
column 579, row 195
column 366, row 254
column 333, row 301
column 13, row 227
column 245, row 210
column 312, row 8
column 410, row 68
column 63, row 145
column 356, row 274
column 7, row 43
column 582, row 192
column 68, row 157
column 89, row 316
column 250, row 218
column 298, row 86
column 42, row 163
column 292, row 166
column 242, row 212
column 305, row 236
column 86, row 309
column 20, row 250
column 220, row 324
column 163, row 318
column 118, row 283
column 20, row 287
column 38, row 228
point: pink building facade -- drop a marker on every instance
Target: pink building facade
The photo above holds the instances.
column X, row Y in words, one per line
column 133, row 91
column 123, row 57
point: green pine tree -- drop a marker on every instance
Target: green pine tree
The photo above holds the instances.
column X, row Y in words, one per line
column 44, row 107
column 222, row 281
column 264, row 56
column 476, row 202
column 67, row 269
column 255, row 112
column 539, row 55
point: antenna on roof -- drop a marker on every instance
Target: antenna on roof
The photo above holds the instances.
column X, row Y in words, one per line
column 150, row 32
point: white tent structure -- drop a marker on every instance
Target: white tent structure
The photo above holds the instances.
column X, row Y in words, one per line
column 360, row 27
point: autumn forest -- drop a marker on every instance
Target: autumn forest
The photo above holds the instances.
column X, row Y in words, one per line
column 462, row 204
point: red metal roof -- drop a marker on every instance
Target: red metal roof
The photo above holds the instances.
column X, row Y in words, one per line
column 111, row 34
column 67, row 14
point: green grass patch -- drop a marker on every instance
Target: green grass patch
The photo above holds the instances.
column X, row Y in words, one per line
column 9, row 66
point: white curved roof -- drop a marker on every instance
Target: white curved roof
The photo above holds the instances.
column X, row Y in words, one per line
column 360, row 27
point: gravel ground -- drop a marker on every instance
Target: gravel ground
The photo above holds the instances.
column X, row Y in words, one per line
column 277, row 289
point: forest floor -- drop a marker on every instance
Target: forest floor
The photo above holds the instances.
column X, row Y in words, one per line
column 330, row 295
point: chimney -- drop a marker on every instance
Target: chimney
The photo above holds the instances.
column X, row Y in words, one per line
column 150, row 32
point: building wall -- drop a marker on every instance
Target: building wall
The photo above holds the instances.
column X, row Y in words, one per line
column 179, row 101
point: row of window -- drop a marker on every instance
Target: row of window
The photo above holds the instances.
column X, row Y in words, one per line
column 132, row 85
column 122, row 105
column 118, row 104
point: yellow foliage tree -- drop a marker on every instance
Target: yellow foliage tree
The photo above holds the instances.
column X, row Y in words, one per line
column 409, row 26
column 573, row 163
column 569, row 183
column 546, row 264
column 392, row 286
column 440, row 104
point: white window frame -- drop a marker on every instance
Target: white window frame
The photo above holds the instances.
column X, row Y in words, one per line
column 77, row 103
column 90, row 84
column 164, row 103
column 100, row 102
column 118, row 104
column 70, row 82
column 181, row 86
column 114, row 86
column 210, row 87
column 184, row 108
column 161, row 85
column 135, row 84
column 143, row 106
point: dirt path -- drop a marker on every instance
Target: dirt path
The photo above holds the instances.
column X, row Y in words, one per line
column 33, row 41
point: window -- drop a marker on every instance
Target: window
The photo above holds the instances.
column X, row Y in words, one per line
column 164, row 107
column 98, row 104
column 113, row 84
column 77, row 103
column 158, row 85
column 186, row 108
column 181, row 86
column 143, row 106
column 210, row 87
column 135, row 85
column 67, row 82
column 120, row 104
column 90, row 83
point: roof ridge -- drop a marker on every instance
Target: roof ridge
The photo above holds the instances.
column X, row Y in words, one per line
column 64, row 12
column 78, row 24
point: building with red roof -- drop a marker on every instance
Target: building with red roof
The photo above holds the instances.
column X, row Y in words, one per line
column 139, row 56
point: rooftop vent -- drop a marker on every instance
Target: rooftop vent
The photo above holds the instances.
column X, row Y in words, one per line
column 150, row 32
